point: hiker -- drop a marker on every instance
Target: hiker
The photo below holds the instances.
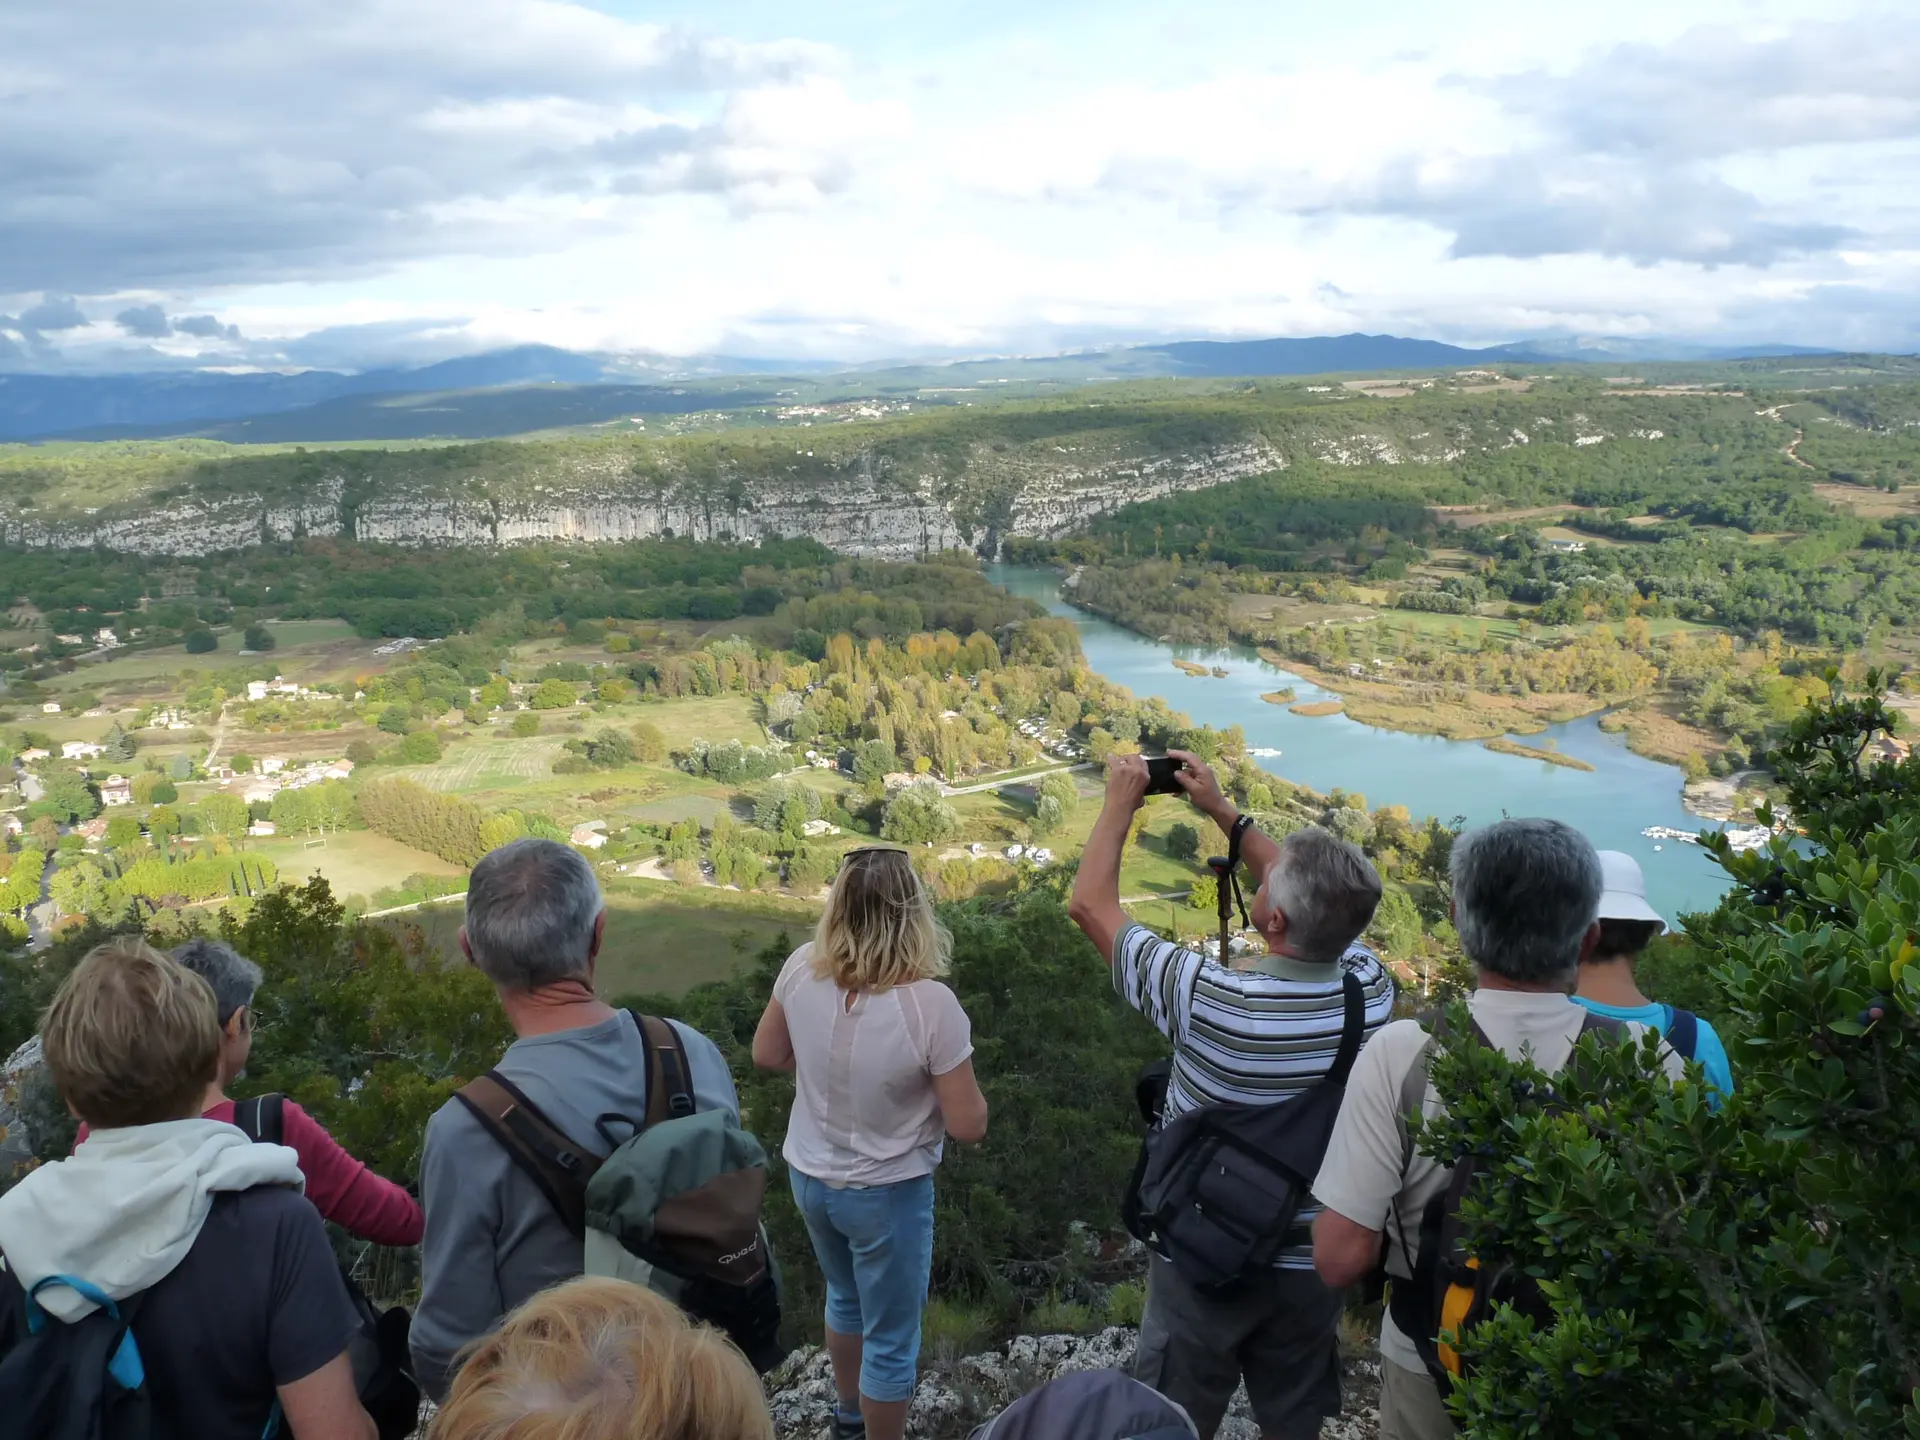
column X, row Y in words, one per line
column 203, row 1238
column 494, row 1237
column 341, row 1188
column 1628, row 924
column 1525, row 895
column 1255, row 1037
column 882, row 1059
column 600, row 1359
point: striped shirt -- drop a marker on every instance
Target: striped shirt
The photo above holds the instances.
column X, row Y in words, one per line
column 1246, row 1037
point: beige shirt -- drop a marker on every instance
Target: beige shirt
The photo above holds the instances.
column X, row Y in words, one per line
column 864, row 1108
column 1361, row 1178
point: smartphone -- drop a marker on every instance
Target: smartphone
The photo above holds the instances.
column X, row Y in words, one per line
column 1160, row 772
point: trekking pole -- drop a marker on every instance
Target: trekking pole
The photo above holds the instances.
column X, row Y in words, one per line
column 1222, row 869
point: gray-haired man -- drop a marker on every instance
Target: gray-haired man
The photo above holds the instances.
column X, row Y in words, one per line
column 1525, row 894
column 1253, row 1036
column 533, row 927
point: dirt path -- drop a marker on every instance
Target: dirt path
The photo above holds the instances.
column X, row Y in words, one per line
column 1792, row 450
column 1015, row 779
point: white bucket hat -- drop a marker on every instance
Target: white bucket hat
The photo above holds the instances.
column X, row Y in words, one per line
column 1624, row 892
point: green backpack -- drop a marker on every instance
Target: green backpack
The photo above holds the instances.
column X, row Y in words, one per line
column 676, row 1205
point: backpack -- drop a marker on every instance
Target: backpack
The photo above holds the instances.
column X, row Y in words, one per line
column 1090, row 1405
column 1682, row 1032
column 78, row 1381
column 1218, row 1189
column 377, row 1348
column 676, row 1204
column 1450, row 1290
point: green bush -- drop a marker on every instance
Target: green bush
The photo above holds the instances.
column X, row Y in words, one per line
column 525, row 724
column 1751, row 1271
column 202, row 641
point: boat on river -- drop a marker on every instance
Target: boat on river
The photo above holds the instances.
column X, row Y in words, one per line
column 1264, row 752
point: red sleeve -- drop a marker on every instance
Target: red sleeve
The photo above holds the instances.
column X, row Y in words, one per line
column 347, row 1192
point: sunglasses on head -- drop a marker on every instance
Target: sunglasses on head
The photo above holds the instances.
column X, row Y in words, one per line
column 870, row 850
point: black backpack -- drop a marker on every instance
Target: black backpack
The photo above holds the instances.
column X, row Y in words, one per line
column 1451, row 1290
column 377, row 1348
column 78, row 1381
column 1218, row 1189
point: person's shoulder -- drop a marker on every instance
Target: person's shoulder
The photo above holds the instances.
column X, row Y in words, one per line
column 1368, row 968
column 267, row 1209
column 1392, row 1049
column 695, row 1039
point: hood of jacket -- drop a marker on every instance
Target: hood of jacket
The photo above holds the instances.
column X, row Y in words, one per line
column 123, row 1210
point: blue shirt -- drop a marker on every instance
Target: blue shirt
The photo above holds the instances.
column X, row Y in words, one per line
column 1708, row 1050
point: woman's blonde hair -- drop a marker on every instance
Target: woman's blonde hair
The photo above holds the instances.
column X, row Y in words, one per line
column 602, row 1359
column 879, row 929
column 132, row 1038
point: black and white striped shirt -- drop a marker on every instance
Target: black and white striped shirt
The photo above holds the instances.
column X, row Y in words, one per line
column 1245, row 1037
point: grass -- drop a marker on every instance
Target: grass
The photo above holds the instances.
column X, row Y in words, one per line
column 354, row 862
column 661, row 939
column 1317, row 707
column 700, row 717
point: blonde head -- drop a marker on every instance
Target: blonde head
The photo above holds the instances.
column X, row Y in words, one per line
column 132, row 1038
column 603, row 1360
column 879, row 929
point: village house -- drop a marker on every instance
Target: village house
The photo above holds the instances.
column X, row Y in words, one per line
column 272, row 764
column 259, row 792
column 589, row 836
column 52, row 707
column 10, row 824
column 79, row 750
column 105, row 638
column 116, row 790
column 263, row 827
column 28, row 757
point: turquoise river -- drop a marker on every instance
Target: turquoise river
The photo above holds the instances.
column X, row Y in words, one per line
column 1621, row 796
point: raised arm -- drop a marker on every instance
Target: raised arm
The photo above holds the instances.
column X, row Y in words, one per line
column 1095, row 906
column 1258, row 851
column 345, row 1191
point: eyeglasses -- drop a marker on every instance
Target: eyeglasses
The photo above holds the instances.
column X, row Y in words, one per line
column 870, row 850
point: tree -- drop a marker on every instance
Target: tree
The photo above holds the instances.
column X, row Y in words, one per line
column 1048, row 816
column 242, row 763
column 649, row 743
column 422, row 747
column 122, row 831
column 1061, row 787
column 150, row 787
column 1749, row 1271
column 258, row 637
column 553, row 695
column 1183, row 841
column 116, row 746
column 1205, row 894
column 180, row 767
column 224, row 814
column 202, row 641
column 610, row 750
column 525, row 725
column 396, row 719
column 917, row 814
column 361, row 753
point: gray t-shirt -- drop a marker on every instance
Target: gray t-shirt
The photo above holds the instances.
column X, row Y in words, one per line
column 492, row 1239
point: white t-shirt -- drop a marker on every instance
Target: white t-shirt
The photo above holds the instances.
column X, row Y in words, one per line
column 1361, row 1178
column 864, row 1109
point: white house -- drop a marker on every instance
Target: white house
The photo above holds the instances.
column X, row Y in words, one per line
column 10, row 824
column 259, row 790
column 116, row 790
column 27, row 757
column 105, row 638
column 52, row 707
column 263, row 827
column 590, row 836
column 272, row 764
column 79, row 750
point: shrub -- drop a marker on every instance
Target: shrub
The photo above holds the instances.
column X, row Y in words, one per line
column 202, row 641
column 258, row 637
column 917, row 814
column 1183, row 841
column 649, row 743
column 525, row 724
column 422, row 747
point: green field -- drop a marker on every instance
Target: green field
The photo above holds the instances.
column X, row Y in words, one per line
column 662, row 939
column 354, row 862
column 701, row 717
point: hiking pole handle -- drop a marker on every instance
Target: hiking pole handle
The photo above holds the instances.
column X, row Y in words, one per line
column 1222, row 869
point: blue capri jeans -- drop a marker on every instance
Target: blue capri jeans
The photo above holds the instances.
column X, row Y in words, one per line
column 875, row 1246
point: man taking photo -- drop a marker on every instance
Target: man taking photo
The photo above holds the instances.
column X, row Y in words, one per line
column 1261, row 1035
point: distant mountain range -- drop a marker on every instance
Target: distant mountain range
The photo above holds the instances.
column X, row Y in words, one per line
column 531, row 387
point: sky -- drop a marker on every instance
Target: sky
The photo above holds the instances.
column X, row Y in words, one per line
column 348, row 183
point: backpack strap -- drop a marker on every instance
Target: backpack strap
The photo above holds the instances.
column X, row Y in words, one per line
column 542, row 1151
column 1353, row 1028
column 669, row 1082
column 1683, row 1032
column 263, row 1119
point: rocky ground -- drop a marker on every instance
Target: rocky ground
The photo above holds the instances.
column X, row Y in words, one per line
column 949, row 1403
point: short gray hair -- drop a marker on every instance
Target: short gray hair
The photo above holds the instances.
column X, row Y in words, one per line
column 531, row 905
column 233, row 977
column 1525, row 893
column 1327, row 889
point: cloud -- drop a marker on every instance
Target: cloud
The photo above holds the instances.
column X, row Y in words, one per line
column 206, row 327
column 54, row 312
column 216, row 143
column 149, row 322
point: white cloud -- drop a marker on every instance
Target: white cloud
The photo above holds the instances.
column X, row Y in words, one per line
column 534, row 170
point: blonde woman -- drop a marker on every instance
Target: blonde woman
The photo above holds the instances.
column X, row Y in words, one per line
column 603, row 1360
column 882, row 1057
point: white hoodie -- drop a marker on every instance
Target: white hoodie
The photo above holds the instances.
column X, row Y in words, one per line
column 123, row 1210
